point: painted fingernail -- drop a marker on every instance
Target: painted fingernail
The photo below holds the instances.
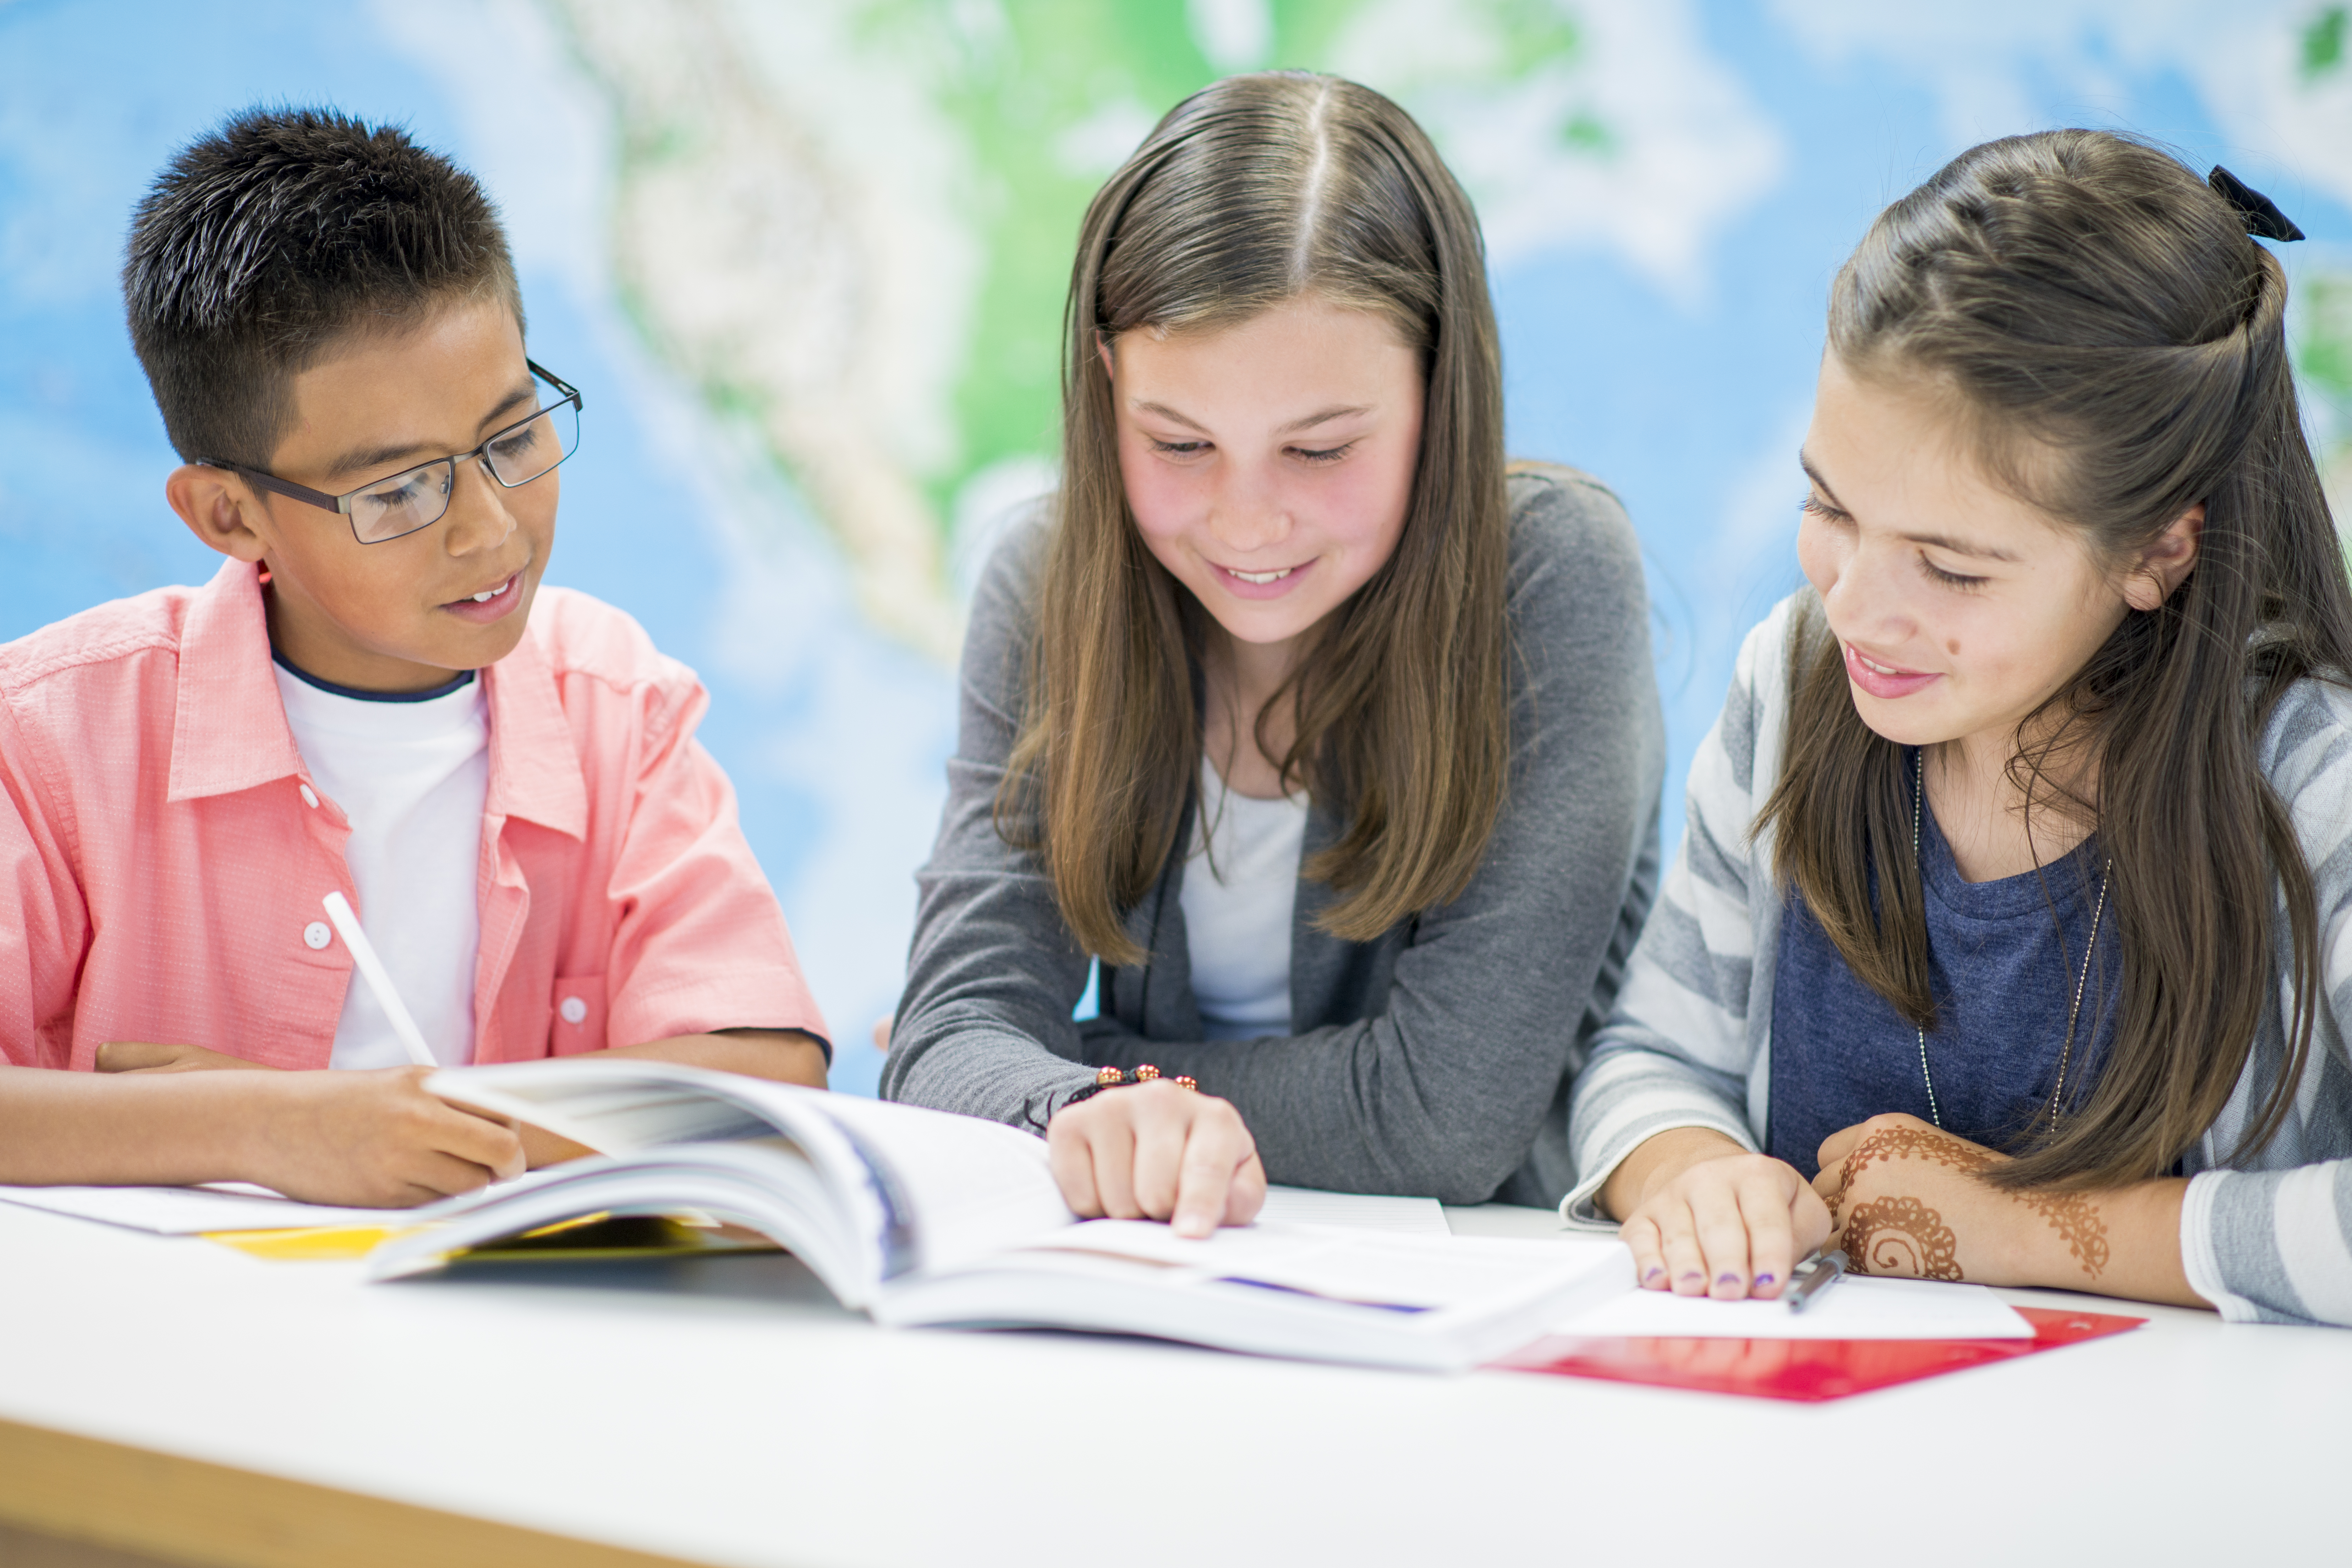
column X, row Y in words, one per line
column 1655, row 1270
column 1726, row 1278
column 1693, row 1274
column 1764, row 1279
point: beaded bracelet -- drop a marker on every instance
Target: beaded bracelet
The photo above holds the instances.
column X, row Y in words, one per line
column 1111, row 1078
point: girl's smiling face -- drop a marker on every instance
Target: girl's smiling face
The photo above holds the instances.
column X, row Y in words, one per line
column 1959, row 607
column 1270, row 465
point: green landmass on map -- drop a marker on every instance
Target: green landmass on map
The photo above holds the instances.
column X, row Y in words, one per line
column 1040, row 99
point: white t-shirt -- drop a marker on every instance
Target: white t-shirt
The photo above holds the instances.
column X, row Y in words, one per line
column 1241, row 885
column 412, row 775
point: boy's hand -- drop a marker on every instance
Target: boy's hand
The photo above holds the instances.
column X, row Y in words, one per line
column 1157, row 1151
column 137, row 1055
column 374, row 1140
column 541, row 1147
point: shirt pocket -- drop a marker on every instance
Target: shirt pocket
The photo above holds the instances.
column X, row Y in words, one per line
column 576, row 1015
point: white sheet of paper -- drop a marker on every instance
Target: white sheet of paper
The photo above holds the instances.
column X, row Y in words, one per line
column 191, row 1211
column 1354, row 1211
column 1856, row 1308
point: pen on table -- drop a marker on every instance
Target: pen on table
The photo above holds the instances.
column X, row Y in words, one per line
column 1826, row 1270
column 378, row 978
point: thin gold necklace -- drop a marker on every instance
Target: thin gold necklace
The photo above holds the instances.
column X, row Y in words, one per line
column 2066, row 1049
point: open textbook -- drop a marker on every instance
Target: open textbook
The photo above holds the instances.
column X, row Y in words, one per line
column 920, row 1217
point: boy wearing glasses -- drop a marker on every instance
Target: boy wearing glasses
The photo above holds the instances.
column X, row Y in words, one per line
column 373, row 696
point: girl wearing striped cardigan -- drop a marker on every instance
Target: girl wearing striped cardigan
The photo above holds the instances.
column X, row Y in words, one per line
column 2010, row 938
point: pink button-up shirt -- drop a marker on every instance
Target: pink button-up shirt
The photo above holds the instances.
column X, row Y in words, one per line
column 161, row 858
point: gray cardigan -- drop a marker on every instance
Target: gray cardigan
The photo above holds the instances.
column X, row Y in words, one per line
column 1435, row 1060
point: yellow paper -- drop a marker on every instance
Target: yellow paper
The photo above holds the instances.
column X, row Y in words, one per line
column 600, row 1236
column 318, row 1244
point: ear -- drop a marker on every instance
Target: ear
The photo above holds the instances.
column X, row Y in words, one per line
column 217, row 506
column 1102, row 351
column 2164, row 564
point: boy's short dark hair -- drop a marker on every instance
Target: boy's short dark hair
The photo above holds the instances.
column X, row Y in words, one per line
column 264, row 241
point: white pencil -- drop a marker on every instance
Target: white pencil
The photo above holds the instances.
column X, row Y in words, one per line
column 379, row 978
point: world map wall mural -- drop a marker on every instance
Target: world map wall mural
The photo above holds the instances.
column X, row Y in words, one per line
column 806, row 263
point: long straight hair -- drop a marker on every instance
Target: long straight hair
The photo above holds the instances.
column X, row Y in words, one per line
column 2117, row 350
column 1256, row 191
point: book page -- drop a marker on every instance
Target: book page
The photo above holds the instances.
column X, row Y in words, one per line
column 968, row 1187
column 768, row 1185
column 1354, row 1211
column 1313, row 1291
column 1856, row 1308
column 615, row 1105
column 909, row 1188
column 1405, row 1272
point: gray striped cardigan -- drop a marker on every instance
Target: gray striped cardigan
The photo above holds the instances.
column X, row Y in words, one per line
column 2265, row 1236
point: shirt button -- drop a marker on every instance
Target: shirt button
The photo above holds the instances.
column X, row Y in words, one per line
column 316, row 935
column 573, row 1009
column 310, row 796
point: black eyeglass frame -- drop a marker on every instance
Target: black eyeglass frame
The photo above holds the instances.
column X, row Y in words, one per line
column 342, row 504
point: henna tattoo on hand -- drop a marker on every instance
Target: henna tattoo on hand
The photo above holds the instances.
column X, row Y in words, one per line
column 1905, row 1143
column 2076, row 1220
column 1907, row 1228
column 1901, row 1236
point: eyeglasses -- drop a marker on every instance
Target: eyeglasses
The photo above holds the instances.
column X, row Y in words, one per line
column 416, row 498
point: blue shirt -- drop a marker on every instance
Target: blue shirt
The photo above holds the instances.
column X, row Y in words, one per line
column 2003, row 957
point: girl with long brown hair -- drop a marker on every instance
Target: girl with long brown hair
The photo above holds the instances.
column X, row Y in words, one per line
column 1335, row 744
column 2004, row 942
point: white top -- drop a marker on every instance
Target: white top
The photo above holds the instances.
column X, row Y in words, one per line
column 412, row 777
column 1241, row 883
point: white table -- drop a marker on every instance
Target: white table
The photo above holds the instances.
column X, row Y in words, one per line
column 725, row 1410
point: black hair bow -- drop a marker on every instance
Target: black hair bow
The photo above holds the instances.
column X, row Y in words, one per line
column 2256, row 211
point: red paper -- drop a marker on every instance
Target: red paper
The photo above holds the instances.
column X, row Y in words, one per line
column 1805, row 1370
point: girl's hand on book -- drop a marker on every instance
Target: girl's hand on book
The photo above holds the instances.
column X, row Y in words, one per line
column 1708, row 1219
column 374, row 1140
column 1157, row 1151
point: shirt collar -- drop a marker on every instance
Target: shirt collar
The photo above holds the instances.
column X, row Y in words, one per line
column 229, row 730
column 534, row 763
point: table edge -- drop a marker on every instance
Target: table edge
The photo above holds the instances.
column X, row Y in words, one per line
column 137, row 1499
